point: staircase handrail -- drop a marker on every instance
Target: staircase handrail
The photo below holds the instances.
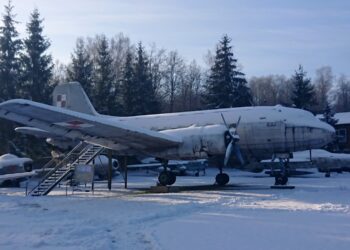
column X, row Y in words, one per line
column 59, row 164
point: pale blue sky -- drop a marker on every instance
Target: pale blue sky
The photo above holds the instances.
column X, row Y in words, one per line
column 269, row 36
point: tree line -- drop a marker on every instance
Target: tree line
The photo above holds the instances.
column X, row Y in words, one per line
column 123, row 78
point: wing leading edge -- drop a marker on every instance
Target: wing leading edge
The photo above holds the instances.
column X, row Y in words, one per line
column 75, row 125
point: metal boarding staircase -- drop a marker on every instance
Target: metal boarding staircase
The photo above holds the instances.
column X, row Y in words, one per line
column 82, row 154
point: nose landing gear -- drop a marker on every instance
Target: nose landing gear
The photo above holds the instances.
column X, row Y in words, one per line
column 222, row 179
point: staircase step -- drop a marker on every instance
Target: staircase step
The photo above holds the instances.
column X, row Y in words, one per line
column 81, row 154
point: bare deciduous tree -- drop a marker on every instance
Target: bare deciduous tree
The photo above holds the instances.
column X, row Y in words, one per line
column 323, row 83
column 174, row 76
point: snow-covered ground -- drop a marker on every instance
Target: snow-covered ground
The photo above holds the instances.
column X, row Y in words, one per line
column 245, row 215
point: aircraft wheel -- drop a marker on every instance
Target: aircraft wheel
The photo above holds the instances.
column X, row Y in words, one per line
column 222, row 179
column 172, row 178
column 327, row 174
column 281, row 180
column 163, row 178
column 166, row 178
column 284, row 180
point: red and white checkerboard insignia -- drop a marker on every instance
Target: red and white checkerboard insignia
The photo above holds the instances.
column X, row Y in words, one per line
column 74, row 124
column 61, row 101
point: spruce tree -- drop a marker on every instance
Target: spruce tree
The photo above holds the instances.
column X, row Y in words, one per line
column 81, row 67
column 147, row 102
column 37, row 63
column 130, row 94
column 328, row 115
column 10, row 47
column 303, row 93
column 104, row 81
column 226, row 85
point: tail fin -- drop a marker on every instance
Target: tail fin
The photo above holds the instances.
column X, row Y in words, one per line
column 73, row 97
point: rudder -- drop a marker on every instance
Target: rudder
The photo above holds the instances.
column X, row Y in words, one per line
column 73, row 97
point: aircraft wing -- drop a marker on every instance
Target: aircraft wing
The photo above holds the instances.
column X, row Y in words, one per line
column 95, row 129
column 5, row 177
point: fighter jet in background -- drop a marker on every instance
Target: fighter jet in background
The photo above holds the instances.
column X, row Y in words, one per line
column 13, row 169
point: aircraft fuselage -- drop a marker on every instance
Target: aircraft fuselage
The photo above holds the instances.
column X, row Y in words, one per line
column 263, row 131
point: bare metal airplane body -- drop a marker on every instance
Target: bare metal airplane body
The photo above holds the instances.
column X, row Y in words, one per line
column 247, row 135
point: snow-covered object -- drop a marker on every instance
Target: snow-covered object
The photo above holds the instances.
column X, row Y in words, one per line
column 343, row 118
column 324, row 160
column 8, row 157
column 13, row 167
column 245, row 215
column 11, row 160
column 262, row 131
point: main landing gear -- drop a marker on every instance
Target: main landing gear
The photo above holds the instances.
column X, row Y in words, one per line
column 281, row 177
column 166, row 177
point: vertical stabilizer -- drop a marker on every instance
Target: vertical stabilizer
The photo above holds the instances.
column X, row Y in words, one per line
column 73, row 97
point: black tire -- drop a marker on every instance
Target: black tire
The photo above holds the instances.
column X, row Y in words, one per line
column 172, row 178
column 281, row 179
column 222, row 179
column 327, row 175
column 284, row 180
column 164, row 178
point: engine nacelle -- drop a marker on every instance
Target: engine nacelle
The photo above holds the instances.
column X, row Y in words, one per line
column 198, row 142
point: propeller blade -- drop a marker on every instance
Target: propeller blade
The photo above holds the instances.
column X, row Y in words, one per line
column 232, row 146
column 239, row 120
column 238, row 154
column 223, row 118
column 228, row 153
column 237, row 124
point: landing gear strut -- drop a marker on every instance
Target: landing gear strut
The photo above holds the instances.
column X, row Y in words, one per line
column 281, row 178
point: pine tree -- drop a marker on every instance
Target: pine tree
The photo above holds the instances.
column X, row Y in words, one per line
column 303, row 94
column 226, row 86
column 104, row 81
column 81, row 67
column 147, row 102
column 10, row 46
column 37, row 64
column 328, row 115
column 128, row 87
